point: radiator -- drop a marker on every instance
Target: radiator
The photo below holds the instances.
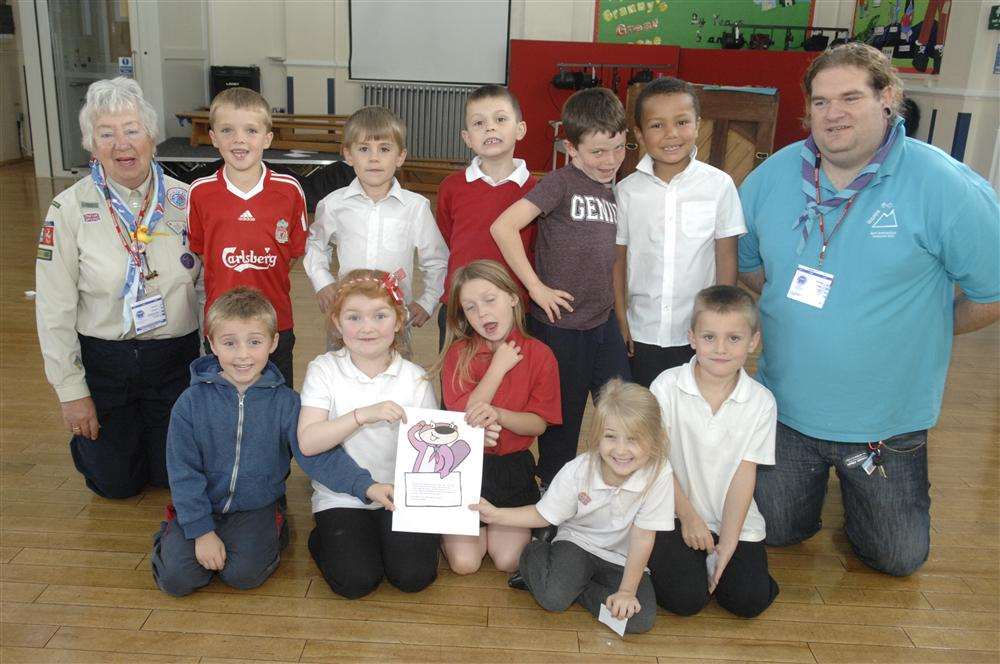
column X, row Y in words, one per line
column 433, row 115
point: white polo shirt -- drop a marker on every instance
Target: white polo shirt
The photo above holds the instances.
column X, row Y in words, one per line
column 670, row 230
column 334, row 384
column 706, row 449
column 598, row 517
column 378, row 235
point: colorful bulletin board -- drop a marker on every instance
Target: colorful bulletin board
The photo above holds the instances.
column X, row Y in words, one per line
column 697, row 23
column 911, row 32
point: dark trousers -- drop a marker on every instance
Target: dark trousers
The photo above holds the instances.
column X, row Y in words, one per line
column 442, row 325
column 680, row 577
column 355, row 548
column 282, row 355
column 134, row 384
column 886, row 519
column 650, row 361
column 251, row 540
column 587, row 360
column 560, row 573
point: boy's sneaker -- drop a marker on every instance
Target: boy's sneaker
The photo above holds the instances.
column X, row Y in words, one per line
column 517, row 582
column 545, row 533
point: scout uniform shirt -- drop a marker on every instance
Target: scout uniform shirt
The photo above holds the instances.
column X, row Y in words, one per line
column 80, row 270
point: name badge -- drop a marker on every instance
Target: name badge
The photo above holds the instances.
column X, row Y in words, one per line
column 810, row 286
column 149, row 313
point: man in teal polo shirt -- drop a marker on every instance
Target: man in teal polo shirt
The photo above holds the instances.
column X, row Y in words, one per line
column 856, row 238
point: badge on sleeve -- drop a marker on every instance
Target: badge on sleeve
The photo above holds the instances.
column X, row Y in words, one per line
column 44, row 254
column 810, row 286
column 281, row 231
column 47, row 237
column 177, row 197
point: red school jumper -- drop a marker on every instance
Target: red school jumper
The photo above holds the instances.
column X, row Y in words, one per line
column 465, row 211
column 532, row 386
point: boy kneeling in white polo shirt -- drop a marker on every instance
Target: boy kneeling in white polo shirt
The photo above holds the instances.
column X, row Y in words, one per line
column 721, row 423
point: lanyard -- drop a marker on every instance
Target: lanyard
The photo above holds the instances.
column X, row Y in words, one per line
column 136, row 250
column 822, row 220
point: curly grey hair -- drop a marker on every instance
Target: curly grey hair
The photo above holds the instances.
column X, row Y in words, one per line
column 117, row 95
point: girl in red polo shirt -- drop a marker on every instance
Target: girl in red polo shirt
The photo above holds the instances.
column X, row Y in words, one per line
column 494, row 372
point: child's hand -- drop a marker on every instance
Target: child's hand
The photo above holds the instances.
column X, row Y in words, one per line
column 381, row 494
column 324, row 296
column 417, row 314
column 696, row 534
column 550, row 300
column 623, row 605
column 210, row 551
column 481, row 414
column 384, row 411
column 724, row 551
column 492, row 435
column 506, row 357
column 487, row 512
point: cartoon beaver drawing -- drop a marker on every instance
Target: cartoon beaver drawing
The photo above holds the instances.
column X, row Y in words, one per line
column 447, row 450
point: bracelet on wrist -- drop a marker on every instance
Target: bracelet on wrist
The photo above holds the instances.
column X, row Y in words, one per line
column 356, row 419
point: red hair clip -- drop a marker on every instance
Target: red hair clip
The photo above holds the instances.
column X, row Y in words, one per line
column 391, row 284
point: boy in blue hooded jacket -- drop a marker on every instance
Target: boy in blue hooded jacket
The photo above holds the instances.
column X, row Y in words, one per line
column 228, row 452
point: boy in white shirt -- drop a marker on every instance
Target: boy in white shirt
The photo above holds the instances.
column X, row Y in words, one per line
column 678, row 224
column 375, row 223
column 721, row 423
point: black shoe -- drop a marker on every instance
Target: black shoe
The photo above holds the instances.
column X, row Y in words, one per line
column 517, row 582
column 545, row 534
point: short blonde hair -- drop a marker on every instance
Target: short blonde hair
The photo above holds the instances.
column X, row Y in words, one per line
column 723, row 299
column 638, row 411
column 111, row 97
column 240, row 98
column 374, row 123
column 241, row 303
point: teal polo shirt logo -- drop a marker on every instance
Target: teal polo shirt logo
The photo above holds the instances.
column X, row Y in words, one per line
column 883, row 222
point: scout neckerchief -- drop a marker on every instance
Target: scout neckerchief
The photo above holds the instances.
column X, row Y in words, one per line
column 140, row 232
column 810, row 179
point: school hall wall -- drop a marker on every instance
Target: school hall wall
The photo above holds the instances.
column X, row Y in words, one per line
column 308, row 42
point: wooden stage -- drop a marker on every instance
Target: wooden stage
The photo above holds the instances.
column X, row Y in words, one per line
column 75, row 583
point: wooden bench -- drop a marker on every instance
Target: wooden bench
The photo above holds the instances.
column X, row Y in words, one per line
column 315, row 133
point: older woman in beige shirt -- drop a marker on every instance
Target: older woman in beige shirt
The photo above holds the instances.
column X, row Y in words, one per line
column 117, row 309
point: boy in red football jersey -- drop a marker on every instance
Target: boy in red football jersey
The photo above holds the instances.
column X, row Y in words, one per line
column 247, row 222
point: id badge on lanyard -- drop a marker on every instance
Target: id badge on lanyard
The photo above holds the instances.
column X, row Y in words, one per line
column 149, row 313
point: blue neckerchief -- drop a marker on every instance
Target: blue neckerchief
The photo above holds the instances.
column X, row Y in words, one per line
column 810, row 159
column 134, row 287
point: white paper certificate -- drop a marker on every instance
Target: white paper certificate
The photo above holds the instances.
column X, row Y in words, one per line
column 439, row 473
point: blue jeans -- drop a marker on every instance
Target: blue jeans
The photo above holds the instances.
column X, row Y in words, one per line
column 887, row 519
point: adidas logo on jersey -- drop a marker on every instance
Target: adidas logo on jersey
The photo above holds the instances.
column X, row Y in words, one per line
column 246, row 216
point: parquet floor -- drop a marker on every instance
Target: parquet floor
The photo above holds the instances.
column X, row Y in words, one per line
column 75, row 582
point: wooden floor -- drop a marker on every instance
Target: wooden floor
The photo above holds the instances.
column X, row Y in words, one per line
column 76, row 585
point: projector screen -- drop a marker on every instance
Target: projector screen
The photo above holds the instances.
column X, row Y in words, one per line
column 430, row 41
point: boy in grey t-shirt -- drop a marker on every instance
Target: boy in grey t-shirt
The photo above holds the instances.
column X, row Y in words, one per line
column 571, row 282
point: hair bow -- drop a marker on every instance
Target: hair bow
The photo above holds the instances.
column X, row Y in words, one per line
column 391, row 284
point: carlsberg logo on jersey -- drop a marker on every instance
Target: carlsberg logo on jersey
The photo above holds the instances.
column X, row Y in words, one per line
column 248, row 260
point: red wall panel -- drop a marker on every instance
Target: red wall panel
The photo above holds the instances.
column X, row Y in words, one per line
column 533, row 64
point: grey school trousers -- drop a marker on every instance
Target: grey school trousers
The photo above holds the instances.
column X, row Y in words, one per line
column 560, row 573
